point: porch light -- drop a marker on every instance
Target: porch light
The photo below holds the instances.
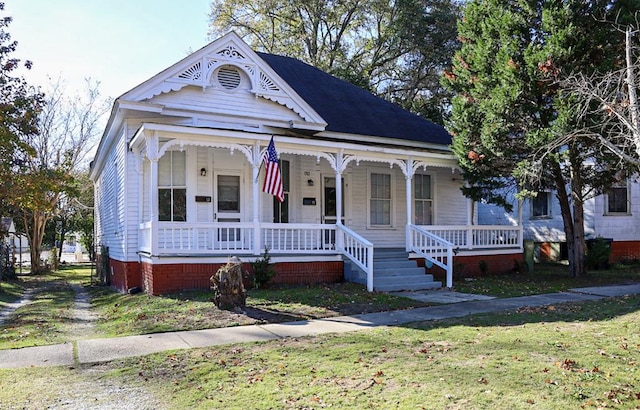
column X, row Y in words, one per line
column 310, row 182
column 203, row 172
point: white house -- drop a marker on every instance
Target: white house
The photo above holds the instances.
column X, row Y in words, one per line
column 613, row 215
column 15, row 241
column 178, row 176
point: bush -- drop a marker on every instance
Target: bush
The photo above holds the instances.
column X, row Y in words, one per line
column 598, row 253
column 263, row 270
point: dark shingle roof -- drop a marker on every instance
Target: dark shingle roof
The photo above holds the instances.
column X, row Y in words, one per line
column 350, row 109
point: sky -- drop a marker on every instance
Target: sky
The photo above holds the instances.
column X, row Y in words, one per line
column 120, row 43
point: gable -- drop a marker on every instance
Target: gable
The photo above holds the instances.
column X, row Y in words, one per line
column 229, row 71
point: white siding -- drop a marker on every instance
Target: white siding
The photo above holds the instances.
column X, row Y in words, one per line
column 619, row 227
column 111, row 201
column 240, row 103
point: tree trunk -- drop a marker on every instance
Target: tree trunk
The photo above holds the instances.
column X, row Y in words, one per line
column 577, row 197
column 567, row 218
column 227, row 286
column 37, row 223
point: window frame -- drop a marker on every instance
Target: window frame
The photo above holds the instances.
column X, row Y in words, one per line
column 549, row 213
column 430, row 200
column 607, row 203
column 172, row 188
column 389, row 200
column 281, row 210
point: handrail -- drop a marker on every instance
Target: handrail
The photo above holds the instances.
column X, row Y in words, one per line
column 357, row 249
column 433, row 249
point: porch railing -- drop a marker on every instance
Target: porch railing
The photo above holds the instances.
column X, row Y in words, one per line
column 238, row 237
column 298, row 238
column 357, row 249
column 433, row 249
column 479, row 236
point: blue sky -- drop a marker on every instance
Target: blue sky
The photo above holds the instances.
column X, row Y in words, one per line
column 120, row 43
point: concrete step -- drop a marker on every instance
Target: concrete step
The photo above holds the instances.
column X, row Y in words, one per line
column 398, row 272
column 380, row 280
column 394, row 263
column 407, row 286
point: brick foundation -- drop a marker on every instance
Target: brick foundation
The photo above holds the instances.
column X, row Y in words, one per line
column 622, row 251
column 124, row 275
column 469, row 266
column 161, row 279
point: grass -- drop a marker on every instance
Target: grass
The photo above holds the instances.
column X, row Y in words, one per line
column 141, row 314
column 10, row 292
column 546, row 278
column 584, row 355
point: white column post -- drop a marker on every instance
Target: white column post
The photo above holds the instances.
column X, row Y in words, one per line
column 257, row 160
column 408, row 176
column 339, row 164
column 154, row 155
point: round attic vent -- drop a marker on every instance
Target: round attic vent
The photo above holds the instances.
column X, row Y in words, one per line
column 229, row 77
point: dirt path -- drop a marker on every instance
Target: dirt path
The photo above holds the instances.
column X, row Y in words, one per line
column 27, row 297
column 84, row 319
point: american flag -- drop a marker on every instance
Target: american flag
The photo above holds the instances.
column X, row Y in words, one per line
column 272, row 179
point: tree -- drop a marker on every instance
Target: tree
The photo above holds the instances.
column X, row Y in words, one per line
column 20, row 105
column 510, row 115
column 396, row 49
column 68, row 131
column 607, row 103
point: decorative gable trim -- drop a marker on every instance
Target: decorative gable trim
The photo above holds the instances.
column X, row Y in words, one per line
column 201, row 68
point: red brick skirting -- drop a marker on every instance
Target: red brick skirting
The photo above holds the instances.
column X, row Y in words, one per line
column 166, row 278
column 622, row 251
column 469, row 266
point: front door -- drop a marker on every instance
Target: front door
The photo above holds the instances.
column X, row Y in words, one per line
column 329, row 203
column 227, row 205
column 329, row 207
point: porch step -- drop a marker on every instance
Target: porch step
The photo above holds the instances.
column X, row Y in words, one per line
column 393, row 271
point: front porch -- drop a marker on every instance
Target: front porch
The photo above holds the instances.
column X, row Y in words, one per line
column 437, row 245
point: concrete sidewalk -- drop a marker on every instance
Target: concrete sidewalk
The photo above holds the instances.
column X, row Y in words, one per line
column 100, row 350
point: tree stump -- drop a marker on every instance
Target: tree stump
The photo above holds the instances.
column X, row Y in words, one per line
column 227, row 286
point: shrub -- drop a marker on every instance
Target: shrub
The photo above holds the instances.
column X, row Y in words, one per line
column 598, row 252
column 484, row 267
column 263, row 270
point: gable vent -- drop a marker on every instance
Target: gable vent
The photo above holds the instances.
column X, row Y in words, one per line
column 229, row 77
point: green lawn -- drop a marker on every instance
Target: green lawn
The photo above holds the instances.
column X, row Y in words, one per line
column 567, row 356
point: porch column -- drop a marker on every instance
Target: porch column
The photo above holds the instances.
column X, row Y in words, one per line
column 339, row 163
column 257, row 160
column 408, row 177
column 153, row 155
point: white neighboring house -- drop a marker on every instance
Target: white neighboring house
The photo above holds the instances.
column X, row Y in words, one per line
column 614, row 216
column 16, row 241
column 178, row 176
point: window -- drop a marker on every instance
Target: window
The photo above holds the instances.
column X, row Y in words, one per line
column 281, row 209
column 616, row 200
column 172, row 187
column 380, row 200
column 540, row 205
column 423, row 202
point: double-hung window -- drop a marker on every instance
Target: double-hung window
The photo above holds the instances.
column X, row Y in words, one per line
column 617, row 200
column 172, row 187
column 380, row 199
column 541, row 205
column 281, row 209
column 423, row 200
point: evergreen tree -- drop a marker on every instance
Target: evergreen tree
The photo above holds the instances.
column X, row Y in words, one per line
column 510, row 117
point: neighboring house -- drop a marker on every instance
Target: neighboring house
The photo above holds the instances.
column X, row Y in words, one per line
column 17, row 242
column 614, row 215
column 178, row 177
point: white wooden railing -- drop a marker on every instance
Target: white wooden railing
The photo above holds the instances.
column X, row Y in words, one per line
column 357, row 249
column 238, row 237
column 298, row 238
column 479, row 236
column 433, row 249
